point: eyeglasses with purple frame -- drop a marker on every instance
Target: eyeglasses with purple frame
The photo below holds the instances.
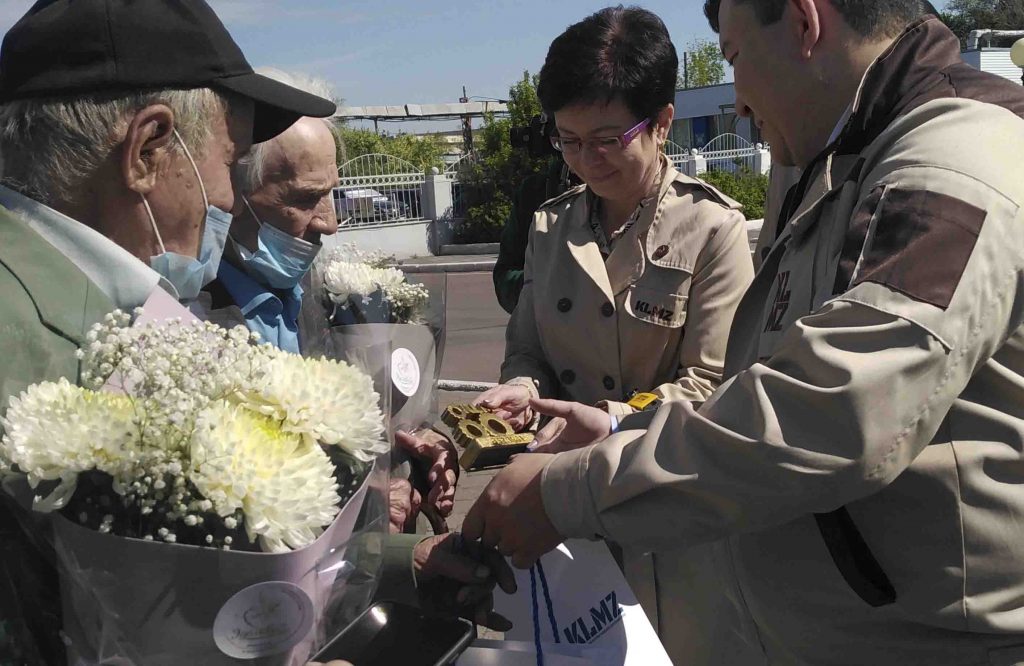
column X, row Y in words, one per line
column 604, row 143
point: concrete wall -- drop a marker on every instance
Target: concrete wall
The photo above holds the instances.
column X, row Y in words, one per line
column 402, row 239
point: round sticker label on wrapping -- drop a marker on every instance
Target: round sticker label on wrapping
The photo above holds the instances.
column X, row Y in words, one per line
column 262, row 620
column 405, row 371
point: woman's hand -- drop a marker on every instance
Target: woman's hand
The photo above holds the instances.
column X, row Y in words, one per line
column 573, row 426
column 509, row 402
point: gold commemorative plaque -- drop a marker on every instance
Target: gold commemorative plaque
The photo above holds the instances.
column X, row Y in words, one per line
column 487, row 439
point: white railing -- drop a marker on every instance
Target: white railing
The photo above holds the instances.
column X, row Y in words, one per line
column 378, row 189
column 454, row 173
column 729, row 152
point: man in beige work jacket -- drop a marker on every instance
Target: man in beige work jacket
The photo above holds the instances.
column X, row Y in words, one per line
column 865, row 456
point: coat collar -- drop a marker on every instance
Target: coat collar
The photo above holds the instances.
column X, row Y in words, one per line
column 626, row 262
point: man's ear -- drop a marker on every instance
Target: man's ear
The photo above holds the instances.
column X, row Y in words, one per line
column 147, row 147
column 663, row 123
column 806, row 20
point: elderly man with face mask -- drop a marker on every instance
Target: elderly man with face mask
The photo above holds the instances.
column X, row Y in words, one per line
column 283, row 207
column 268, row 279
column 119, row 124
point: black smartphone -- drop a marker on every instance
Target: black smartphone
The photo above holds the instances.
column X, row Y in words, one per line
column 390, row 634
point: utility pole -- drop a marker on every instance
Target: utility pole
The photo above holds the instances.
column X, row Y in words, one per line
column 467, row 126
column 686, row 70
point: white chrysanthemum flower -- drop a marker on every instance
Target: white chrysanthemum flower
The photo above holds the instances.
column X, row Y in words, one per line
column 328, row 401
column 282, row 482
column 344, row 279
column 54, row 430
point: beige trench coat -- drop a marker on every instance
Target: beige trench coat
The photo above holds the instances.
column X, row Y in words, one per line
column 654, row 317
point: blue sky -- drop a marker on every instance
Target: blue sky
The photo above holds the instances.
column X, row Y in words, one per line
column 412, row 51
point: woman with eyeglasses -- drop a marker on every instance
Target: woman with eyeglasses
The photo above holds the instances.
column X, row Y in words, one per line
column 631, row 282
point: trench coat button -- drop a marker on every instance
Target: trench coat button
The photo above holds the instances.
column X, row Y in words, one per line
column 564, row 305
column 661, row 252
column 567, row 377
column 607, row 309
column 609, row 383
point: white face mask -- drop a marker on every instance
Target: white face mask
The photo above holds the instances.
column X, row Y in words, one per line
column 280, row 260
column 189, row 274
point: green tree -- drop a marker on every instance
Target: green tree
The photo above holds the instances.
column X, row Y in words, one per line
column 489, row 181
column 963, row 16
column 423, row 152
column 703, row 65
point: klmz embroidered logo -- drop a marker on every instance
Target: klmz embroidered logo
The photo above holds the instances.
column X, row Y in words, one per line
column 653, row 310
column 781, row 304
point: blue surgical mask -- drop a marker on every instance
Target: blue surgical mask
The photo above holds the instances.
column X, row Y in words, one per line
column 280, row 260
column 188, row 274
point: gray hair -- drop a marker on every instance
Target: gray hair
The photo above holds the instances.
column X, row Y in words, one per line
column 250, row 170
column 50, row 148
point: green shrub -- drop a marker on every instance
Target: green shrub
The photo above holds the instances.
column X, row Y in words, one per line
column 745, row 186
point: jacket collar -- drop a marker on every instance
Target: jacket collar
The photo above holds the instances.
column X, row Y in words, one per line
column 65, row 299
column 906, row 75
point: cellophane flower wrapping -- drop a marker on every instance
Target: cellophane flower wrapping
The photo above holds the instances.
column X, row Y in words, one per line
column 373, row 303
column 212, row 499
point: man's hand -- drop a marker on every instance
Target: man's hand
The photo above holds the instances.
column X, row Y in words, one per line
column 510, row 515
column 455, row 576
column 574, row 426
column 508, row 402
column 403, row 505
column 439, row 453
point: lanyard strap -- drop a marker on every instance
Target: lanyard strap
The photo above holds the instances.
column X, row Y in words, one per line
column 538, row 571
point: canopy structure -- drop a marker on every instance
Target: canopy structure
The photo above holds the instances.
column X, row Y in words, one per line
column 455, row 111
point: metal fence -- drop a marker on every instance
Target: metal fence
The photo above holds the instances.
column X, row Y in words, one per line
column 378, row 189
column 726, row 152
column 454, row 173
column 729, row 152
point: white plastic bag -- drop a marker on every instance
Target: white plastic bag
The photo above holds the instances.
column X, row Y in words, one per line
column 592, row 606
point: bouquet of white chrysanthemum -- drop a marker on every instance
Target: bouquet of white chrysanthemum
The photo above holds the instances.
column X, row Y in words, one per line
column 374, row 303
column 366, row 288
column 185, row 435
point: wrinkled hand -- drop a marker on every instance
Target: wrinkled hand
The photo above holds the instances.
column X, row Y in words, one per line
column 510, row 514
column 439, row 453
column 403, row 505
column 574, row 426
column 456, row 576
column 511, row 403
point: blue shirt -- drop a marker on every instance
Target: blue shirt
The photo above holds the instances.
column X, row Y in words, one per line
column 273, row 313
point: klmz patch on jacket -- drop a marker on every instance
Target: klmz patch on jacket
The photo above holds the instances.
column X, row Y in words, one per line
column 656, row 307
column 921, row 244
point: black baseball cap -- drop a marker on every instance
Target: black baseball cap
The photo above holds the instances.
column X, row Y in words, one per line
column 63, row 48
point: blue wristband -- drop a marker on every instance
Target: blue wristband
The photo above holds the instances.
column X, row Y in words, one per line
column 615, row 423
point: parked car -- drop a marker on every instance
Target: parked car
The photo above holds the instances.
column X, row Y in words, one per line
column 366, row 204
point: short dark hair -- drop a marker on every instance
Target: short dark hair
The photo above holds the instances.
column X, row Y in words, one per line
column 618, row 52
column 870, row 18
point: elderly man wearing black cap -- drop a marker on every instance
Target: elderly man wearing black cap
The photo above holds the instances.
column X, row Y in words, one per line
column 119, row 123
